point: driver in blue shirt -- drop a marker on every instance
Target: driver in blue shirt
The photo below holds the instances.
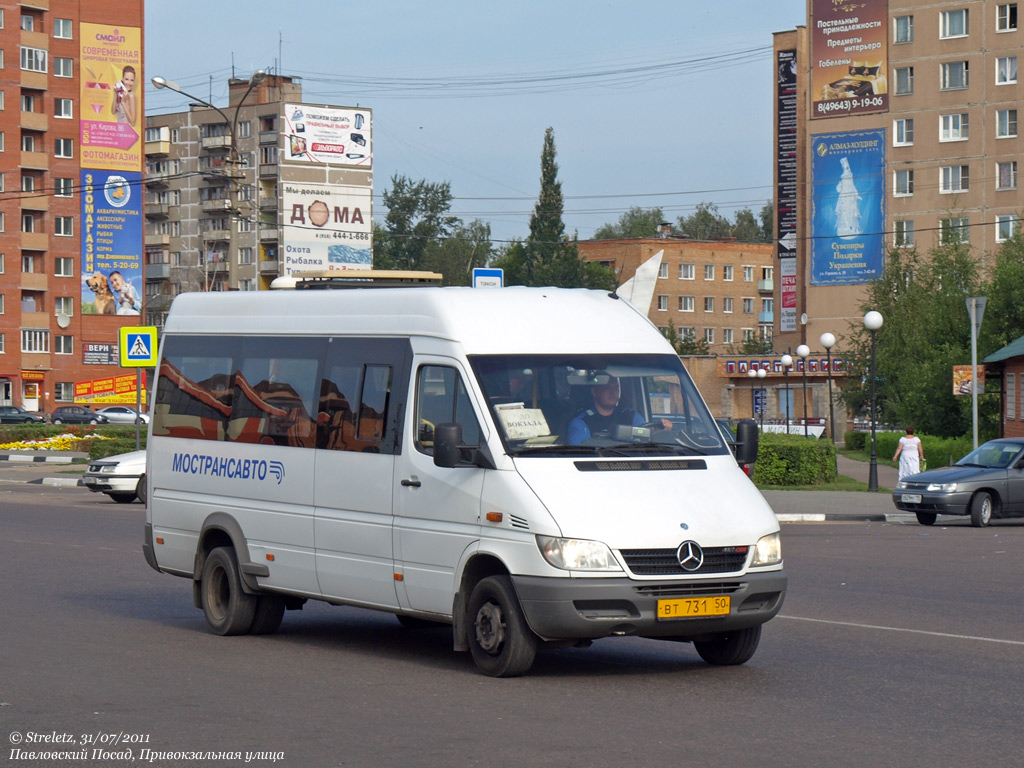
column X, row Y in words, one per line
column 606, row 415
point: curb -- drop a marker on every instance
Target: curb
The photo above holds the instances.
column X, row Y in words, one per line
column 839, row 518
column 63, row 482
column 28, row 458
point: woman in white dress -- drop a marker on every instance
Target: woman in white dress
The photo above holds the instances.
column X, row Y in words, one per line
column 909, row 454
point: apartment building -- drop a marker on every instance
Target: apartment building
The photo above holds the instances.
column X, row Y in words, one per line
column 269, row 185
column 896, row 126
column 718, row 292
column 70, row 213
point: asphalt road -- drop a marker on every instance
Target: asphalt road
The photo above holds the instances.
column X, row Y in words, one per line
column 898, row 645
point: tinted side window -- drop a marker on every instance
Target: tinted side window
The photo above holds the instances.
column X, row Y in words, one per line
column 195, row 387
column 441, row 398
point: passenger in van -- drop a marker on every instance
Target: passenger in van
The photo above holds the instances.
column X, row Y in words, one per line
column 606, row 415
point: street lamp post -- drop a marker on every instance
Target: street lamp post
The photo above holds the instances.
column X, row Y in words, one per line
column 255, row 79
column 804, row 351
column 873, row 321
column 828, row 341
column 787, row 363
column 752, row 374
column 761, row 373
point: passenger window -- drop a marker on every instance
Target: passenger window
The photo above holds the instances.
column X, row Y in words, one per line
column 441, row 398
column 195, row 391
column 373, row 404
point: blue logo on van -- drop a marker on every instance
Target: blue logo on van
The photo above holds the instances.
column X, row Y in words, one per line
column 220, row 466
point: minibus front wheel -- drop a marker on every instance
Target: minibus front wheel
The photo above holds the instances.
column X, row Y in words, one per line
column 499, row 638
column 229, row 610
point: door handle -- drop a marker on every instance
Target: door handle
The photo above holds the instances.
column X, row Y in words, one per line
column 411, row 483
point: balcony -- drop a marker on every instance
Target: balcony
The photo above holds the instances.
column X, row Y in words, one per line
column 35, row 201
column 216, row 142
column 34, row 80
column 157, row 148
column 268, row 137
column 268, row 203
column 216, row 235
column 216, row 206
column 156, row 210
column 269, row 266
column 156, row 240
column 37, row 161
column 268, row 233
column 268, row 171
column 35, row 241
column 35, row 121
column 766, row 286
column 33, row 281
column 160, row 271
column 766, row 317
column 156, row 178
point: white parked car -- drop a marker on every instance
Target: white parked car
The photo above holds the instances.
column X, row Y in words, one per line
column 121, row 477
column 122, row 414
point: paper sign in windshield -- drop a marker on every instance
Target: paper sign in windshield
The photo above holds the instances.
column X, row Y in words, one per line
column 522, row 423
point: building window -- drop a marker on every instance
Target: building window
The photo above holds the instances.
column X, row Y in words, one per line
column 64, row 391
column 1006, row 17
column 1006, row 123
column 903, row 132
column 727, row 303
column 64, row 266
column 64, row 226
column 709, row 271
column 903, row 185
column 33, row 59
column 748, row 334
column 903, row 29
column 954, row 230
column 953, row 75
column 709, row 303
column 245, row 255
column 1011, row 395
column 28, row 142
column 748, row 306
column 28, row 262
column 2, row 347
column 175, row 135
column 663, row 303
column 727, row 336
column 28, row 102
column 1006, row 70
column 903, row 233
column 953, row 23
column 767, row 305
column 28, row 224
column 245, row 129
column 1006, row 175
column 954, row 127
column 727, row 272
column 1006, row 225
column 63, row 67
column 64, row 345
column 63, row 188
column 748, row 274
column 63, row 148
column 686, row 303
column 62, row 29
column 662, row 270
column 35, row 340
column 686, row 272
column 904, row 77
column 709, row 335
column 247, row 284
column 268, row 155
column 689, row 334
column 953, row 178
column 63, row 108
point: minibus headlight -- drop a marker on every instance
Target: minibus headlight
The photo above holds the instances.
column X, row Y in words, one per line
column 577, row 554
column 768, row 550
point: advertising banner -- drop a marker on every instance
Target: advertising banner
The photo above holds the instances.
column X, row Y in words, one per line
column 785, row 152
column 847, row 207
column 111, row 242
column 111, row 97
column 113, row 389
column 962, row 379
column 326, row 227
column 849, row 57
column 327, row 135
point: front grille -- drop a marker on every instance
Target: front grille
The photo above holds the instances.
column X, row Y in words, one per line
column 664, row 562
column 695, row 589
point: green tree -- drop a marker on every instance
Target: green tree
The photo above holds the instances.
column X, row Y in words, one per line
column 684, row 344
column 766, row 217
column 418, row 216
column 1003, row 320
column 468, row 247
column 705, row 223
column 745, row 227
column 636, row 222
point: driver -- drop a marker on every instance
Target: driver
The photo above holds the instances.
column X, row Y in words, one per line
column 605, row 415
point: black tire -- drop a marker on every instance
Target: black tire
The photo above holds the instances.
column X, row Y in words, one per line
column 499, row 638
column 268, row 615
column 228, row 609
column 982, row 506
column 926, row 518
column 729, row 648
column 58, row 421
column 122, row 498
column 140, row 489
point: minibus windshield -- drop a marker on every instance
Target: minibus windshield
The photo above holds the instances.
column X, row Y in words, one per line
column 608, row 405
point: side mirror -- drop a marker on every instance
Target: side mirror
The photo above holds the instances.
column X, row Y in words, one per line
column 447, row 439
column 746, row 442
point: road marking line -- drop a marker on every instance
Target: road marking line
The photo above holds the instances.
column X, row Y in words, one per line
column 901, row 629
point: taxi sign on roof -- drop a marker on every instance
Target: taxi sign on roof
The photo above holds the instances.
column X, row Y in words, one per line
column 138, row 346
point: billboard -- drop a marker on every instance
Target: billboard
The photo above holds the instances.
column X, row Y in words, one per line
column 849, row 58
column 327, row 135
column 111, row 242
column 847, row 207
column 326, row 226
column 120, row 389
column 111, row 97
column 785, row 152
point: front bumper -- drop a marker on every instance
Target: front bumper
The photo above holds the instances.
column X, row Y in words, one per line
column 111, row 483
column 559, row 609
column 938, row 503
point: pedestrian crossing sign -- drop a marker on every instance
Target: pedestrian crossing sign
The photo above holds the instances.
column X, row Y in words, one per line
column 138, row 346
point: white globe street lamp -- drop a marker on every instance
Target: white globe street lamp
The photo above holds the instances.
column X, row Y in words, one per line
column 828, row 341
column 873, row 321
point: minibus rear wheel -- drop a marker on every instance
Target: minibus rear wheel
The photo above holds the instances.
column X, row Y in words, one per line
column 729, row 648
column 499, row 638
column 228, row 609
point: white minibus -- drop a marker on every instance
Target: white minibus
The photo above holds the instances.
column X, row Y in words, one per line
column 532, row 466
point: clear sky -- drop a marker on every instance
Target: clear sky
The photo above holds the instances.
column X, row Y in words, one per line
column 653, row 102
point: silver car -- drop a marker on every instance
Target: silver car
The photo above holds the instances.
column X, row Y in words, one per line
column 988, row 482
column 122, row 414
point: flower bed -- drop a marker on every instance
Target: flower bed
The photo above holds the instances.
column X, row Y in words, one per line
column 63, row 442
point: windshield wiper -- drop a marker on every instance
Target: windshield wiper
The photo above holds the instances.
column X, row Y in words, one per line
column 631, row 449
column 571, row 450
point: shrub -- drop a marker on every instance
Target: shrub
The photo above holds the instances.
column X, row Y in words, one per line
column 99, row 449
column 794, row 460
column 855, row 441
